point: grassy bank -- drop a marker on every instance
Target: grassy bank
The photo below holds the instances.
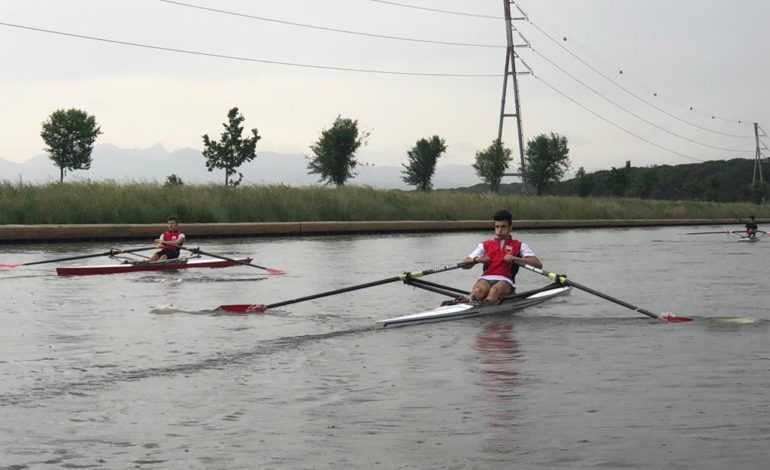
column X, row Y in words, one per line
column 102, row 203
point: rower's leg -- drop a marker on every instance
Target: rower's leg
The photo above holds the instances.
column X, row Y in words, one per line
column 500, row 289
column 480, row 290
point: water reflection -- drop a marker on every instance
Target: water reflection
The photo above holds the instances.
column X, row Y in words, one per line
column 498, row 356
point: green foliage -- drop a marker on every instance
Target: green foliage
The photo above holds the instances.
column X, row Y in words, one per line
column 585, row 183
column 619, row 178
column 718, row 180
column 335, row 151
column 173, row 180
column 142, row 203
column 491, row 163
column 69, row 135
column 547, row 159
column 422, row 162
column 232, row 150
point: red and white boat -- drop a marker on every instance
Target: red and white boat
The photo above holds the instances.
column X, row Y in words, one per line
column 133, row 266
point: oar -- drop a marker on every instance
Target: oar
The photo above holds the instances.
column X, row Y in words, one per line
column 113, row 251
column 251, row 308
column 709, row 233
column 562, row 279
column 269, row 270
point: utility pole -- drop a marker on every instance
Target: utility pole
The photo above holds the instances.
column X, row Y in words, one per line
column 510, row 71
column 757, row 176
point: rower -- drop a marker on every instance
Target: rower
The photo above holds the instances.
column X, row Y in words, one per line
column 498, row 255
column 751, row 227
column 169, row 242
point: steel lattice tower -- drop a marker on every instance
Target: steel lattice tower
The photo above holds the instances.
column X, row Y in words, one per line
column 510, row 72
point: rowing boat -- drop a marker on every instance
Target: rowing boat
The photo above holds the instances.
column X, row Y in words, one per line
column 133, row 266
column 459, row 309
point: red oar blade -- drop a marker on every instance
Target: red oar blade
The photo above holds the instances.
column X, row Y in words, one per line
column 274, row 271
column 674, row 318
column 9, row 265
column 243, row 308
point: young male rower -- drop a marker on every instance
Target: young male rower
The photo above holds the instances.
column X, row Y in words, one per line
column 751, row 227
column 498, row 256
column 169, row 242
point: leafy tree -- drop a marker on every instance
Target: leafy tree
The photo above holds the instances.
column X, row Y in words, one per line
column 585, row 182
column 422, row 162
column 69, row 136
column 491, row 163
column 232, row 150
column 173, row 180
column 335, row 151
column 547, row 159
column 644, row 182
column 619, row 179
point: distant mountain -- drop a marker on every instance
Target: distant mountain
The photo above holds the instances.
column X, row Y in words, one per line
column 155, row 164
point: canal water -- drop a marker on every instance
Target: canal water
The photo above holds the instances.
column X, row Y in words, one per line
column 141, row 371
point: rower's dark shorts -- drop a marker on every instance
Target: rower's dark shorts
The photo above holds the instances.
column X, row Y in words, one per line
column 511, row 289
column 170, row 254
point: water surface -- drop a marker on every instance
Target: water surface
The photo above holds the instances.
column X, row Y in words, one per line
column 139, row 371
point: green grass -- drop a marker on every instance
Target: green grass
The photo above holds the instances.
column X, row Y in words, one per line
column 109, row 202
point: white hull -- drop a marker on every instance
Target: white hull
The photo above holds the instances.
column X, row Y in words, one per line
column 464, row 310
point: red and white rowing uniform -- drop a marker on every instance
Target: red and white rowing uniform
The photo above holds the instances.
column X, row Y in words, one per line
column 497, row 269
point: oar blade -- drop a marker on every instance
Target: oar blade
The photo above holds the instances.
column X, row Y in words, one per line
column 243, row 308
column 9, row 265
column 675, row 318
column 274, row 271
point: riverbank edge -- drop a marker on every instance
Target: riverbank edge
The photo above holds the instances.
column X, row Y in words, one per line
column 91, row 232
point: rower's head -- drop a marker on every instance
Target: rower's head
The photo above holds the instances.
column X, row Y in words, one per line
column 503, row 222
column 752, row 218
column 173, row 223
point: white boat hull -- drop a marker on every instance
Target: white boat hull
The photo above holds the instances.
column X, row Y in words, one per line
column 465, row 310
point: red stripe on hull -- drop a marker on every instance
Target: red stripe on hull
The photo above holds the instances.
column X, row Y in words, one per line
column 159, row 266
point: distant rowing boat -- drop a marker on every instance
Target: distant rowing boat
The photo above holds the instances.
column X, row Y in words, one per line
column 134, row 266
column 458, row 309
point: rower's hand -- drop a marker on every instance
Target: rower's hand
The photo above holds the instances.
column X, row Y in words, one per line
column 469, row 262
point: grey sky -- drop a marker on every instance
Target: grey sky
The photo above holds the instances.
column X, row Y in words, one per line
column 700, row 53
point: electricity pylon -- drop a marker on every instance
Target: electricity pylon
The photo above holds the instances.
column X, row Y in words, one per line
column 510, row 72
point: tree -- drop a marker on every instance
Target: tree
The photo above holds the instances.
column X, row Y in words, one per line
column 69, row 136
column 491, row 163
column 585, row 183
column 422, row 162
column 619, row 179
column 232, row 150
column 547, row 159
column 173, row 180
column 335, row 151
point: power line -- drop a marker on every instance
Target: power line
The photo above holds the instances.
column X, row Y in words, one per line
column 641, row 118
column 616, row 125
column 605, row 76
column 438, row 10
column 247, row 59
column 324, row 28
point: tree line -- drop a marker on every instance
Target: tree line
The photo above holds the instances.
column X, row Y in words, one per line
column 70, row 135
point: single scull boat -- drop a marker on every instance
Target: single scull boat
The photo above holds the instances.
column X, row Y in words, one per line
column 456, row 310
column 133, row 266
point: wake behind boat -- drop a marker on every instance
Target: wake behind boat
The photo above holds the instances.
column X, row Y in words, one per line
column 455, row 310
column 128, row 266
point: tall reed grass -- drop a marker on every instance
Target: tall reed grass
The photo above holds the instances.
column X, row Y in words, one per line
column 110, row 202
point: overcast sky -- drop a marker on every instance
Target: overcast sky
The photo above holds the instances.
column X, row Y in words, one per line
column 706, row 55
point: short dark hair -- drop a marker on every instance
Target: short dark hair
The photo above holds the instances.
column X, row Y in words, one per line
column 172, row 218
column 503, row 214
